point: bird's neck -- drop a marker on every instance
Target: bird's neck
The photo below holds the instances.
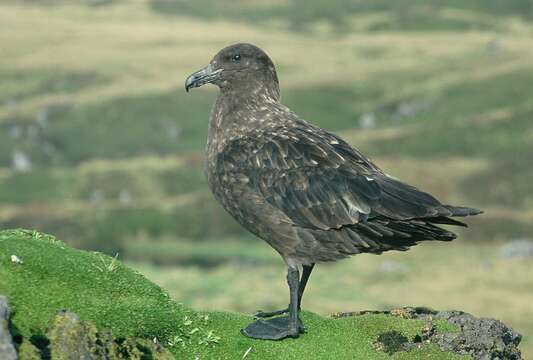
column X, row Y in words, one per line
column 260, row 89
column 235, row 114
column 242, row 109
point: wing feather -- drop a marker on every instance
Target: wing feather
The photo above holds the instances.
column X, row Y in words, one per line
column 318, row 181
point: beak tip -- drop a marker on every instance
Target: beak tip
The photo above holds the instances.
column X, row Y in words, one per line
column 190, row 83
column 201, row 77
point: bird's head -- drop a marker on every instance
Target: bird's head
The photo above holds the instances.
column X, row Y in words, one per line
column 239, row 67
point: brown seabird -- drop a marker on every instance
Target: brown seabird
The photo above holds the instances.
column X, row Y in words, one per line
column 302, row 189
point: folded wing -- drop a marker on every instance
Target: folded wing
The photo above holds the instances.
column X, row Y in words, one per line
column 319, row 182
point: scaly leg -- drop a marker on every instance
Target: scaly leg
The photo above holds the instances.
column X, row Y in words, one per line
column 280, row 327
column 307, row 269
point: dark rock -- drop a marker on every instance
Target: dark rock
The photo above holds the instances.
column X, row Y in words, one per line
column 480, row 338
column 7, row 348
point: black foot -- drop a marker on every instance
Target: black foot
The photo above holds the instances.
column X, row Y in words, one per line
column 273, row 329
column 269, row 314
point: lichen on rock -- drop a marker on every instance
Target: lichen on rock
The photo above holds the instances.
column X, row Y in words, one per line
column 71, row 338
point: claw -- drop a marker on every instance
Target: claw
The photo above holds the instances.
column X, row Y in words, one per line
column 269, row 314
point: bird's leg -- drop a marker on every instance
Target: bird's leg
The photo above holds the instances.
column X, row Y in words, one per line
column 301, row 288
column 303, row 282
column 280, row 327
column 293, row 279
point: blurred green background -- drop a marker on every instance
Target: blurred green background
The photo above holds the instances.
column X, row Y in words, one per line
column 101, row 146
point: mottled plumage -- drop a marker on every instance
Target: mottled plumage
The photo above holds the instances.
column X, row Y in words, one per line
column 305, row 191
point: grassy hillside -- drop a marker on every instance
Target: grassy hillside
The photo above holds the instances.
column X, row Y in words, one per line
column 107, row 294
column 405, row 15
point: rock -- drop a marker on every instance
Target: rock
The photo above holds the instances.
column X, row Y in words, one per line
column 480, row 338
column 518, row 248
column 7, row 348
column 21, row 162
column 367, row 121
column 72, row 339
column 16, row 260
column 69, row 338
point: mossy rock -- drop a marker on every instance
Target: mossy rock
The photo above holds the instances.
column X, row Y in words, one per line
column 62, row 297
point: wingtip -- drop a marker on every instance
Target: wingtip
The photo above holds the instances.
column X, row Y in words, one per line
column 474, row 211
column 463, row 211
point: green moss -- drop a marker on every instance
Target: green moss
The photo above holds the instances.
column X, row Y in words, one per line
column 53, row 276
column 345, row 338
column 445, row 327
column 103, row 292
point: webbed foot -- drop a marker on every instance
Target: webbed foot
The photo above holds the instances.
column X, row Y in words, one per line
column 277, row 328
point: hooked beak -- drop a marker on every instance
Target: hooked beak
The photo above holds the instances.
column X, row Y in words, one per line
column 202, row 77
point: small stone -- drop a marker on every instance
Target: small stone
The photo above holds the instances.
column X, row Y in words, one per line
column 16, row 260
column 367, row 121
column 21, row 162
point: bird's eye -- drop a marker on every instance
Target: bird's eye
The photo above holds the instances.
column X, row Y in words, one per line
column 236, row 57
